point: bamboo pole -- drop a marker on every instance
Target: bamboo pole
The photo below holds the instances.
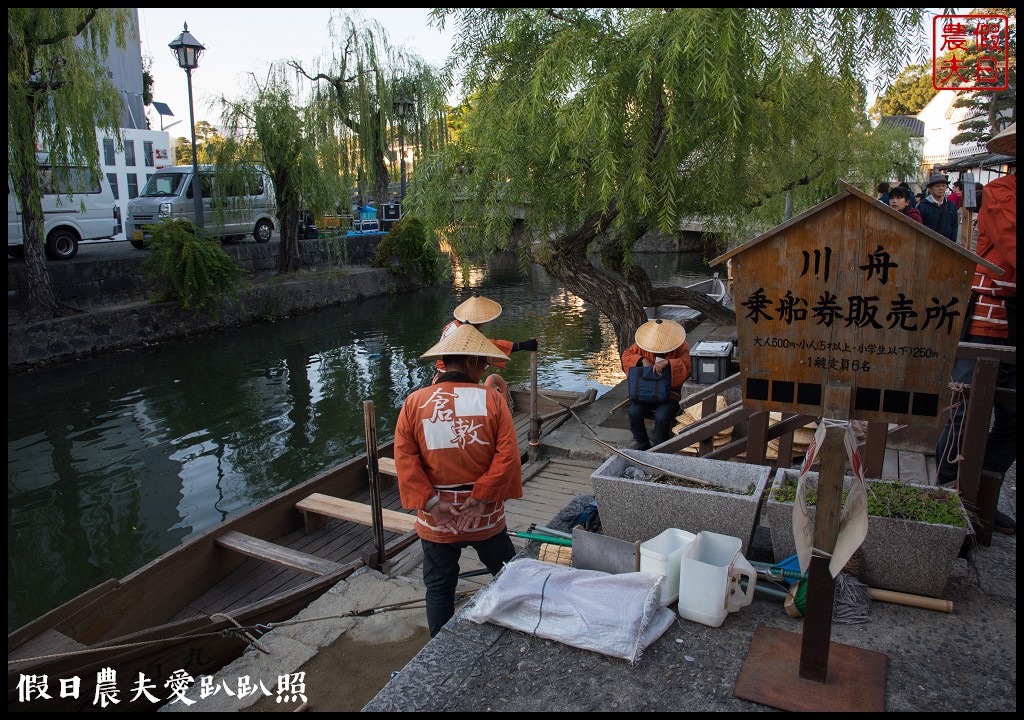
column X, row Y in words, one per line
column 373, row 476
column 534, row 416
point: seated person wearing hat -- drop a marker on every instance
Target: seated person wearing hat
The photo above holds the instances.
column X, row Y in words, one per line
column 660, row 344
column 476, row 311
column 937, row 211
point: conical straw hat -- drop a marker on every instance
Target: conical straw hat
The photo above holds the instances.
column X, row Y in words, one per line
column 477, row 310
column 466, row 340
column 1005, row 143
column 660, row 336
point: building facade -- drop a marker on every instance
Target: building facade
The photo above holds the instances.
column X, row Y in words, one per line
column 142, row 151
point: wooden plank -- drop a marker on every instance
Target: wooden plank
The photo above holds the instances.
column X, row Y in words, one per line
column 277, row 554
column 890, row 464
column 933, row 470
column 49, row 642
column 386, row 466
column 320, row 504
column 913, row 468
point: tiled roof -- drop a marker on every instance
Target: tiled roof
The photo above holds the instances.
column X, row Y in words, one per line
column 979, row 160
column 910, row 123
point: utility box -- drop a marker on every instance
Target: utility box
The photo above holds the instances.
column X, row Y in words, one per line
column 391, row 214
column 710, row 362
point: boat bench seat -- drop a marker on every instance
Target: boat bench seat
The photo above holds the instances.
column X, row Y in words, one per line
column 277, row 554
column 386, row 466
column 318, row 505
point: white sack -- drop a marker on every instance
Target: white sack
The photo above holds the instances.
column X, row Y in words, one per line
column 616, row 615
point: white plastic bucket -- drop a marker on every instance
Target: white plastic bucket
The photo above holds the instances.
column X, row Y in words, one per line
column 710, row 572
column 660, row 556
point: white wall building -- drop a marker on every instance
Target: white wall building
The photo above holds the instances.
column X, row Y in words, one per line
column 941, row 125
column 143, row 152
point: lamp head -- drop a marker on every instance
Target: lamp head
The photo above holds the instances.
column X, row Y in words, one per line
column 187, row 50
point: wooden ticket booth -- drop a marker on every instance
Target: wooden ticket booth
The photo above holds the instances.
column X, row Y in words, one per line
column 848, row 311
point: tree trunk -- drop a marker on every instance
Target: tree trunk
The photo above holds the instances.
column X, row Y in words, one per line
column 39, row 301
column 289, row 258
column 570, row 264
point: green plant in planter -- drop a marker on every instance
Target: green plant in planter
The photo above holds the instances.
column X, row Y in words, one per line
column 408, row 239
column 191, row 270
column 893, row 500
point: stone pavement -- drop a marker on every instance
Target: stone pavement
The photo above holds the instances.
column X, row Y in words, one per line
column 964, row 661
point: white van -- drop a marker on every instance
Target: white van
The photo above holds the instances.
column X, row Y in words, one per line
column 78, row 205
column 168, row 194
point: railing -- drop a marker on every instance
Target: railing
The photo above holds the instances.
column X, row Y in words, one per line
column 982, row 393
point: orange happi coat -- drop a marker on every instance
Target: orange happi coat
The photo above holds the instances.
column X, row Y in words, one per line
column 457, row 435
column 997, row 243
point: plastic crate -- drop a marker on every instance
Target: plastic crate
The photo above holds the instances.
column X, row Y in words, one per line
column 710, row 362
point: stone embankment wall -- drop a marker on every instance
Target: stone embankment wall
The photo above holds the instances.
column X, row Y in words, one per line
column 118, row 316
column 122, row 280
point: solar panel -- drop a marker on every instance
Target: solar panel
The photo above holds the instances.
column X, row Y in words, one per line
column 162, row 108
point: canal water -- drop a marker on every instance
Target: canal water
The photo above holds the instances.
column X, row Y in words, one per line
column 113, row 460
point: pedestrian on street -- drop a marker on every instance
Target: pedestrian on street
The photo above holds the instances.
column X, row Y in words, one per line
column 899, row 199
column 937, row 212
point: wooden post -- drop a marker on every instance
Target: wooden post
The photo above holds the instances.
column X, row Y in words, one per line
column 968, row 204
column 534, row 416
column 373, row 476
column 977, row 420
column 820, row 583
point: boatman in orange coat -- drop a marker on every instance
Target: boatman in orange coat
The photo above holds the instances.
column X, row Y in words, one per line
column 660, row 344
column 458, row 461
column 479, row 310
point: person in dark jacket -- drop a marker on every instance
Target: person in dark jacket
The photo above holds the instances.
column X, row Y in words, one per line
column 937, row 212
column 883, row 192
column 899, row 199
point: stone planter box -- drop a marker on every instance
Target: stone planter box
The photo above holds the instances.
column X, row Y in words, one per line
column 908, row 556
column 638, row 510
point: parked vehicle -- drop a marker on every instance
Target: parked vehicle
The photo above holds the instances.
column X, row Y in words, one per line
column 78, row 205
column 247, row 206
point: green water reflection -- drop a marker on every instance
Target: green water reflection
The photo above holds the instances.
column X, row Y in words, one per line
column 117, row 459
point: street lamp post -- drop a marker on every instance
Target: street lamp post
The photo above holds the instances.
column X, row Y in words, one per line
column 187, row 51
column 402, row 106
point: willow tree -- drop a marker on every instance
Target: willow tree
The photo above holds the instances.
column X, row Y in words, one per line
column 359, row 83
column 600, row 124
column 294, row 144
column 58, row 95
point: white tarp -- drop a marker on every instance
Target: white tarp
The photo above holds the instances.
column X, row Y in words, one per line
column 616, row 615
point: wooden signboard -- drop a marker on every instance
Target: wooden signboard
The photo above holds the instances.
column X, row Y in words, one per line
column 850, row 294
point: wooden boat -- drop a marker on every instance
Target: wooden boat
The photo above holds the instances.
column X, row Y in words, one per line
column 264, row 565
column 714, row 287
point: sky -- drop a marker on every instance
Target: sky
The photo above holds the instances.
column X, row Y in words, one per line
column 243, row 40
column 240, row 41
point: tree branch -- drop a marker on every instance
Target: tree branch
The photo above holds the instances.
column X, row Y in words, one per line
column 89, row 15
